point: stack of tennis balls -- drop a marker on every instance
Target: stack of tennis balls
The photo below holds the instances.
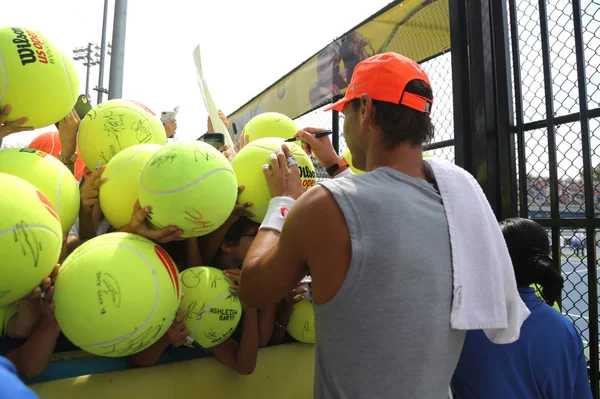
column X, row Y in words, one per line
column 30, row 238
column 49, row 176
column 39, row 81
column 270, row 124
column 248, row 164
column 116, row 294
column 212, row 310
column 190, row 185
column 113, row 126
column 302, row 322
column 119, row 192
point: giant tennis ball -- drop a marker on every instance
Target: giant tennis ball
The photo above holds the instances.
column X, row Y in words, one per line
column 49, row 176
column 188, row 184
column 36, row 79
column 120, row 190
column 270, row 124
column 248, row 164
column 302, row 322
column 114, row 125
column 212, row 310
column 50, row 142
column 30, row 238
column 116, row 294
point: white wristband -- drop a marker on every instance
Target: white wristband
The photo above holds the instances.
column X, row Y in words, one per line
column 278, row 209
column 344, row 173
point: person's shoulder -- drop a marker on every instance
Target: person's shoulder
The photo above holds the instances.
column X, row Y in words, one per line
column 561, row 323
column 12, row 387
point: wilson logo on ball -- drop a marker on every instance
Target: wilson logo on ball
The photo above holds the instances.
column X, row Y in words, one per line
column 28, row 50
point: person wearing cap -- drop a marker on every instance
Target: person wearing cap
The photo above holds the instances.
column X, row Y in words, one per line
column 377, row 245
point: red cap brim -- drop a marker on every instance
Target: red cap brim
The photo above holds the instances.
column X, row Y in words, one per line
column 338, row 106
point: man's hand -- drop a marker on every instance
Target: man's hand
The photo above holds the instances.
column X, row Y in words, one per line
column 177, row 333
column 7, row 128
column 67, row 132
column 90, row 190
column 42, row 288
column 230, row 153
column 283, row 177
column 209, row 125
column 139, row 225
column 321, row 148
column 240, row 210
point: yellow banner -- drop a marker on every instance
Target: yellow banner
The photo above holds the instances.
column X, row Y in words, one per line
column 418, row 29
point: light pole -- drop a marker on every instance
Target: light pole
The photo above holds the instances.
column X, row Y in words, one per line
column 101, row 55
column 85, row 54
column 91, row 56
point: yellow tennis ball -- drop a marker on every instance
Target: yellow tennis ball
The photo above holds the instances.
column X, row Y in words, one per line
column 302, row 322
column 248, row 164
column 188, row 184
column 36, row 79
column 348, row 155
column 116, row 294
column 49, row 176
column 30, row 238
column 270, row 124
column 114, row 125
column 212, row 310
column 120, row 190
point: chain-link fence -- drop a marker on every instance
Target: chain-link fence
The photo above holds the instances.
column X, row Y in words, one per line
column 552, row 139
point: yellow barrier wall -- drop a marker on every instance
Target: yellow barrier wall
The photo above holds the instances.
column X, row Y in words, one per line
column 283, row 371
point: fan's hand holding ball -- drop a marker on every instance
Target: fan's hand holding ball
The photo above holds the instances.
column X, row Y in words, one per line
column 139, row 225
column 283, row 179
column 39, row 81
column 177, row 333
column 7, row 128
column 90, row 189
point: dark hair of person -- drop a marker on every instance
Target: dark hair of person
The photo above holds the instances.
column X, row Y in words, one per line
column 529, row 250
column 400, row 124
column 242, row 227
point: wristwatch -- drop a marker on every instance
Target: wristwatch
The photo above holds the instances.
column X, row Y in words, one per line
column 341, row 163
column 67, row 158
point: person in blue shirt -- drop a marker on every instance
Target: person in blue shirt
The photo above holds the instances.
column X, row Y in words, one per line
column 11, row 387
column 548, row 360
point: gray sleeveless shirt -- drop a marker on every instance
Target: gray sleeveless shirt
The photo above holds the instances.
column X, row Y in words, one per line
column 386, row 334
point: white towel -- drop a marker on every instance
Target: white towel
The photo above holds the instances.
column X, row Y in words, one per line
column 485, row 290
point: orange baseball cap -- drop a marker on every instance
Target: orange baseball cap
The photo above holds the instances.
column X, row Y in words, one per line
column 384, row 77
